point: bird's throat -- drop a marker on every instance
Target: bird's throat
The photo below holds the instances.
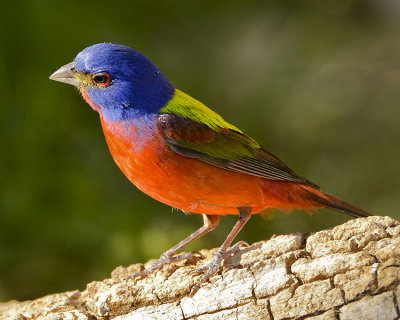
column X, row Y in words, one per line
column 90, row 102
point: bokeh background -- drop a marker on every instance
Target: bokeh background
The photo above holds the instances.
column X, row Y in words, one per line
column 317, row 82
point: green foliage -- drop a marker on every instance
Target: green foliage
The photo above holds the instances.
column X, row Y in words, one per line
column 315, row 82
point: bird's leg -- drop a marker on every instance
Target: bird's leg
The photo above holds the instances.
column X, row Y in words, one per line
column 209, row 224
column 214, row 265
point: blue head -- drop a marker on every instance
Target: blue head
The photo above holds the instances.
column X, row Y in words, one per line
column 121, row 82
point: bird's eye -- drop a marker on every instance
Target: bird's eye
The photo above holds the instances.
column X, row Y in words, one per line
column 101, row 79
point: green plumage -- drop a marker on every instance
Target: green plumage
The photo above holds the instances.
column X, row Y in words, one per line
column 228, row 143
column 193, row 130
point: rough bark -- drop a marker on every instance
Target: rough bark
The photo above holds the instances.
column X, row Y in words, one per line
column 349, row 272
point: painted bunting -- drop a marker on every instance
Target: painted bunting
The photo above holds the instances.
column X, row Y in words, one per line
column 178, row 151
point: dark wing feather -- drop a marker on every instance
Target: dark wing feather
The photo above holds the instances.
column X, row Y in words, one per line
column 226, row 148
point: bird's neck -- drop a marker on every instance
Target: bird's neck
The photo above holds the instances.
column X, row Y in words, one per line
column 116, row 114
column 139, row 128
column 130, row 137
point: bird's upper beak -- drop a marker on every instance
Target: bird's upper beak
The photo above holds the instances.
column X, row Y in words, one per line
column 67, row 74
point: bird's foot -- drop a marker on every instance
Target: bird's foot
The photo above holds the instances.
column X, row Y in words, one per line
column 209, row 270
column 236, row 248
column 214, row 265
column 165, row 258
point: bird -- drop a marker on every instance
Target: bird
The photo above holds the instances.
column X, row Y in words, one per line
column 178, row 151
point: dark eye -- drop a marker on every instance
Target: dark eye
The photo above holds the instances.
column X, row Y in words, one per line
column 101, row 79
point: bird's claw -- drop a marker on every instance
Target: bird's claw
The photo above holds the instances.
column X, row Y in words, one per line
column 209, row 270
column 214, row 265
column 165, row 258
column 184, row 256
column 236, row 248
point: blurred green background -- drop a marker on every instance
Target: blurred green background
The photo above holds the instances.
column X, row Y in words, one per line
column 316, row 82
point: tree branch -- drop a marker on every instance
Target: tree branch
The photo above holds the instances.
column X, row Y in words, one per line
column 348, row 272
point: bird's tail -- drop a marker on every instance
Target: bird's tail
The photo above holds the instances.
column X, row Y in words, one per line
column 334, row 203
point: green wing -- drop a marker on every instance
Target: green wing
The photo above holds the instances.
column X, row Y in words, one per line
column 193, row 130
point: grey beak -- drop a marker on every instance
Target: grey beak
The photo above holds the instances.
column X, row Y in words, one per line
column 66, row 74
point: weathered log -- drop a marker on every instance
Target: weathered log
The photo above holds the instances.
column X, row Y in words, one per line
column 349, row 272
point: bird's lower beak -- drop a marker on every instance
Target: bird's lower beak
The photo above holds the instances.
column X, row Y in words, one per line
column 66, row 74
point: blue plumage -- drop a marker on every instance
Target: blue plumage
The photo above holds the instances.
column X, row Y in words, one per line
column 137, row 86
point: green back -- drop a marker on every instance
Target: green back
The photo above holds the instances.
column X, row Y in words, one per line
column 229, row 142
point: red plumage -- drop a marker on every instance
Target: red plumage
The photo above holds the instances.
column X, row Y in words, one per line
column 195, row 186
